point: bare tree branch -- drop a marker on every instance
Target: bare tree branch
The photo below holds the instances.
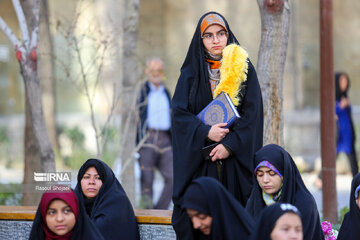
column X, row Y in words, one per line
column 101, row 63
column 127, row 131
column 114, row 103
column 136, row 149
column 35, row 31
column 11, row 36
column 87, row 92
column 22, row 22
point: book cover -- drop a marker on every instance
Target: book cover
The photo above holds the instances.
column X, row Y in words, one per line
column 219, row 110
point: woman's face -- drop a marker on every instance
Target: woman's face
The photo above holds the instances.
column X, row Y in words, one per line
column 287, row 227
column 60, row 218
column 91, row 183
column 215, row 39
column 269, row 181
column 200, row 221
column 343, row 83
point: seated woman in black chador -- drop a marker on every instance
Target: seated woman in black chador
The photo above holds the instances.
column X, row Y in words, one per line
column 60, row 217
column 214, row 63
column 214, row 212
column 105, row 201
column 278, row 222
column 350, row 227
column 280, row 181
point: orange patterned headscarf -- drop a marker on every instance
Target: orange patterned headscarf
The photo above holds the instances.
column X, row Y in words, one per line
column 211, row 19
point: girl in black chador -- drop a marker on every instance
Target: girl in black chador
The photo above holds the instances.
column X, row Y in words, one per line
column 279, row 181
column 214, row 63
column 278, row 222
column 59, row 216
column 105, row 201
column 215, row 213
column 350, row 226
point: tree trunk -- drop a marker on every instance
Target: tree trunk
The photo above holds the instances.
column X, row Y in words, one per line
column 39, row 156
column 130, row 66
column 32, row 163
column 33, row 98
column 275, row 20
column 36, row 160
column 46, row 72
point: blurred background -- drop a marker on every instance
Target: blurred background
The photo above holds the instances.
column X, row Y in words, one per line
column 94, row 31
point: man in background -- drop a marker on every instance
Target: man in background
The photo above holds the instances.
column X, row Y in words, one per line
column 154, row 125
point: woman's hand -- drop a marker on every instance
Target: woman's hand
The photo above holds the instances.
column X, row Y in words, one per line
column 344, row 102
column 219, row 152
column 217, row 132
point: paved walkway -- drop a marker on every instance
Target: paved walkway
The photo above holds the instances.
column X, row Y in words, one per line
column 343, row 186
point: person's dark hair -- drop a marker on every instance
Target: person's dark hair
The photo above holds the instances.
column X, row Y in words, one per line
column 338, row 93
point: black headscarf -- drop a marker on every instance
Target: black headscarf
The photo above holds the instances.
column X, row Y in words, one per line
column 293, row 190
column 83, row 229
column 111, row 209
column 268, row 219
column 338, row 93
column 230, row 219
column 350, row 226
column 189, row 134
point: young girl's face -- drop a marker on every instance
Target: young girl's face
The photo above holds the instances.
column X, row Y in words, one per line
column 343, row 83
column 215, row 39
column 60, row 218
column 288, row 226
column 269, row 181
column 91, row 183
column 200, row 221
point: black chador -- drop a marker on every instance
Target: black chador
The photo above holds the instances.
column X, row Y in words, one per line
column 189, row 135
column 230, row 220
column 350, row 226
column 84, row 228
column 293, row 190
column 110, row 210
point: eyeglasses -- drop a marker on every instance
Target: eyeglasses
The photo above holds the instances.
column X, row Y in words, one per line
column 221, row 35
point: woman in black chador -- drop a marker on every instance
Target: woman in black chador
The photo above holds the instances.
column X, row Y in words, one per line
column 105, row 201
column 350, row 228
column 214, row 63
column 215, row 213
column 279, row 181
column 59, row 216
